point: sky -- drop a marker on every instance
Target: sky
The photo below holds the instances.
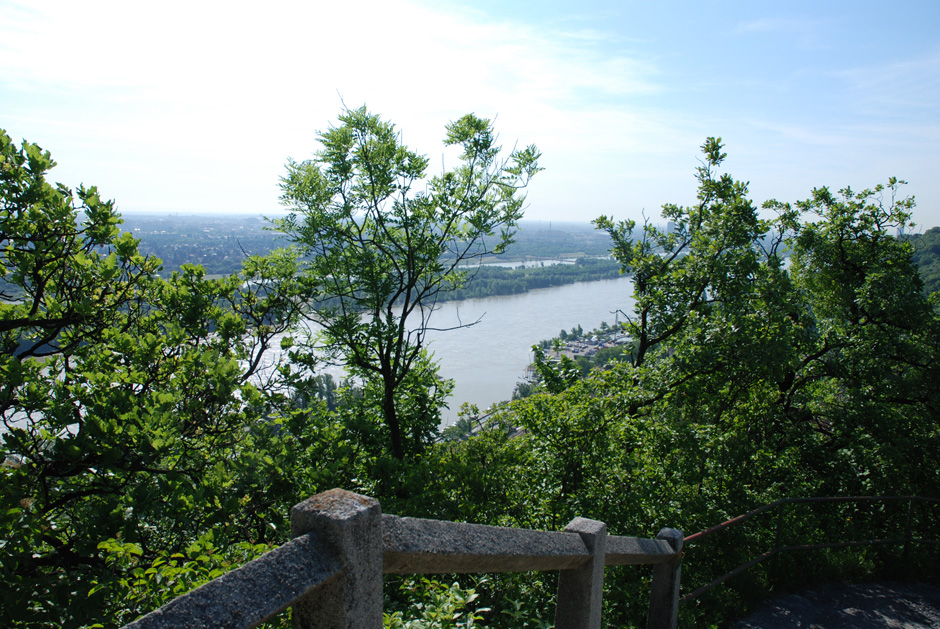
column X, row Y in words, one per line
column 195, row 106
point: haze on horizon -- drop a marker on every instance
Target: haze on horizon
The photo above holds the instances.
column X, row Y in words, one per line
column 194, row 107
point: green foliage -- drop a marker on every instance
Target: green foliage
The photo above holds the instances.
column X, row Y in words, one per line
column 435, row 605
column 130, row 404
column 868, row 372
column 67, row 280
column 750, row 380
column 467, row 422
column 379, row 254
column 926, row 256
column 557, row 374
column 146, row 585
column 148, row 447
column 307, row 388
column 681, row 277
column 486, row 281
column 418, row 401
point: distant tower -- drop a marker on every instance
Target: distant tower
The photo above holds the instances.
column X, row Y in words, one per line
column 670, row 227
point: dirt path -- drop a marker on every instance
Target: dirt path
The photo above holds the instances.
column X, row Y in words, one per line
column 857, row 606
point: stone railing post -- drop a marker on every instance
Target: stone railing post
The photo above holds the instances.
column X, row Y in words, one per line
column 350, row 525
column 664, row 593
column 581, row 589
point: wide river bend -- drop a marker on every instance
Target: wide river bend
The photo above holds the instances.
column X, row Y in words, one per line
column 488, row 359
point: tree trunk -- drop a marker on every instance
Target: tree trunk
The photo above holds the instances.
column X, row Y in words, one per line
column 391, row 420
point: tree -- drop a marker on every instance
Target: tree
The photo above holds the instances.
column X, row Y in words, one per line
column 829, row 361
column 61, row 283
column 379, row 252
column 708, row 258
column 755, row 379
column 129, row 405
column 867, row 370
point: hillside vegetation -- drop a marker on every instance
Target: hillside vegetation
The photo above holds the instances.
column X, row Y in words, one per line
column 926, row 256
column 219, row 243
column 148, row 445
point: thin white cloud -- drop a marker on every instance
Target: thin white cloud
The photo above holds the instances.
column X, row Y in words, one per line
column 905, row 87
column 195, row 105
column 803, row 32
column 777, row 25
column 208, row 88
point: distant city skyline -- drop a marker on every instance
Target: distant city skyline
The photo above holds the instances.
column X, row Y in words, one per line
column 194, row 107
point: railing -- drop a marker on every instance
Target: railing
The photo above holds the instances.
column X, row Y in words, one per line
column 330, row 573
column 907, row 539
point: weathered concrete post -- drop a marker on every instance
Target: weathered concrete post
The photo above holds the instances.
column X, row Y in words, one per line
column 581, row 589
column 351, row 525
column 664, row 593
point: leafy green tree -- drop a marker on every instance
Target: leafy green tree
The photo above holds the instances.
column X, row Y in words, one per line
column 146, row 584
column 63, row 282
column 867, row 370
column 752, row 379
column 130, row 404
column 709, row 257
column 441, row 606
column 308, row 388
column 557, row 373
column 419, row 399
column 379, row 252
column 722, row 327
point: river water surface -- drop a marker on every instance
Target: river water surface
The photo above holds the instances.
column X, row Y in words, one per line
column 488, row 359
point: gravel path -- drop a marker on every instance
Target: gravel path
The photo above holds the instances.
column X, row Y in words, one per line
column 858, row 606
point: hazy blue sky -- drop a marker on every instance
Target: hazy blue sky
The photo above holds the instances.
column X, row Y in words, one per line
column 190, row 106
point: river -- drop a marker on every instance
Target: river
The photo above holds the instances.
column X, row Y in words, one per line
column 488, row 359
